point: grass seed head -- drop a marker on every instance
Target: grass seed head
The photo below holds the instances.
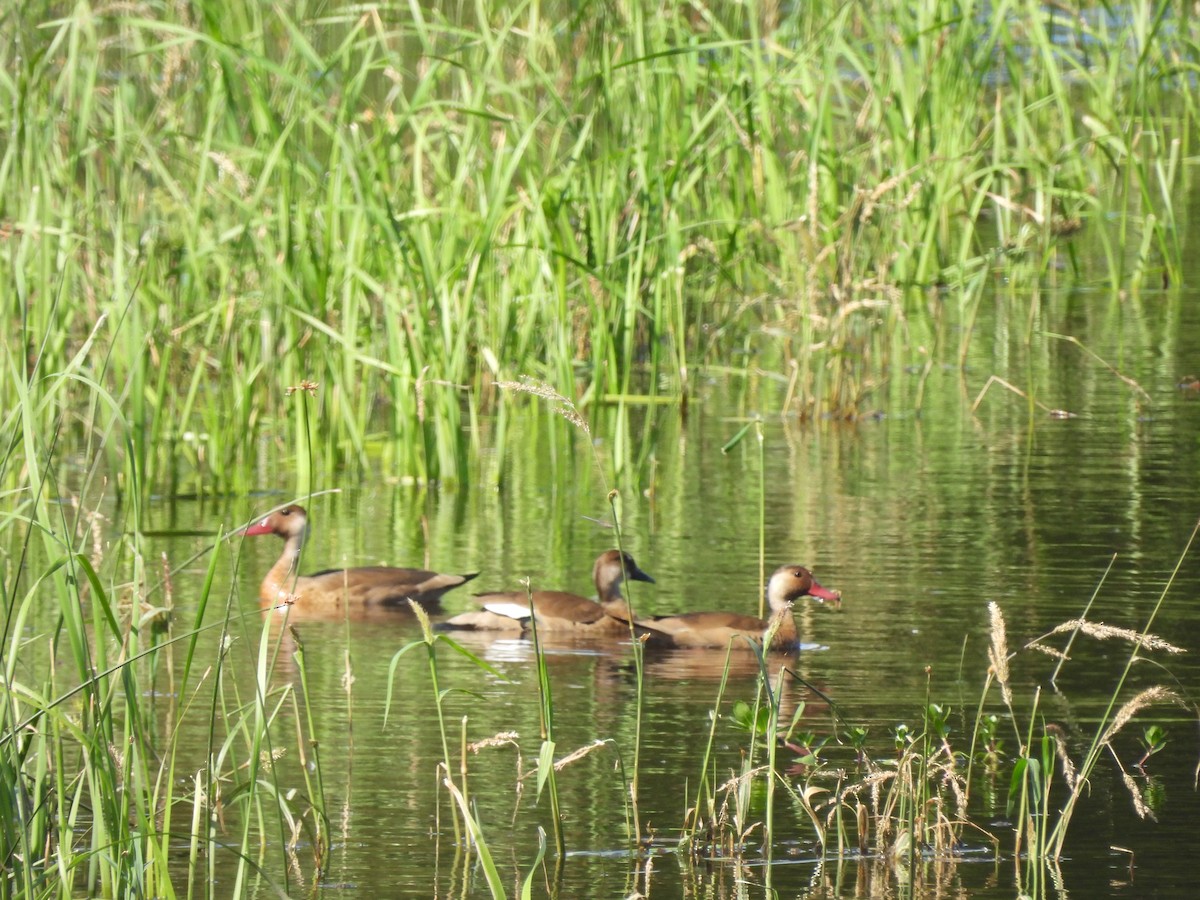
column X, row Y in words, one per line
column 1135, row 794
column 558, row 402
column 1102, row 632
column 998, row 651
column 1151, row 695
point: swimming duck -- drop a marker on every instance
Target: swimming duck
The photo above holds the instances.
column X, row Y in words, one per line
column 363, row 585
column 558, row 611
column 717, row 629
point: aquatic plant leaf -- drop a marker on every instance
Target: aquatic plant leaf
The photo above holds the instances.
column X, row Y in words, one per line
column 1014, row 785
column 391, row 678
column 495, row 882
column 545, row 765
column 527, row 885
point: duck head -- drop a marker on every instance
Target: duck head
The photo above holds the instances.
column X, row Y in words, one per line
column 789, row 583
column 613, row 567
column 290, row 523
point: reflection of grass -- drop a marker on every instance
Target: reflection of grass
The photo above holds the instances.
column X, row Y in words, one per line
column 407, row 209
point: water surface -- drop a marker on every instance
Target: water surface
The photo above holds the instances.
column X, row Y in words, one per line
column 920, row 516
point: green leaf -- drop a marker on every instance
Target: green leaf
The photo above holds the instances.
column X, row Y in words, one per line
column 391, row 679
column 459, row 648
column 1014, row 785
column 545, row 765
column 527, row 885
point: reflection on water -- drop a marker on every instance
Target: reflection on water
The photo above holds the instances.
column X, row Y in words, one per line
column 920, row 520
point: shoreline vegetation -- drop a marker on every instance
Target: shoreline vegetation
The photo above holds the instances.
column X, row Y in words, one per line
column 224, row 223
column 204, row 205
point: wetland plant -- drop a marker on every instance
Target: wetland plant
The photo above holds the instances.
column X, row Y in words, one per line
column 814, row 186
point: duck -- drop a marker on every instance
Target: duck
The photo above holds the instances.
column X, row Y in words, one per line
column 330, row 588
column 719, row 629
column 560, row 612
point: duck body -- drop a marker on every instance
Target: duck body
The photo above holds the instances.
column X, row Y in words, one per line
column 719, row 629
column 332, row 588
column 560, row 612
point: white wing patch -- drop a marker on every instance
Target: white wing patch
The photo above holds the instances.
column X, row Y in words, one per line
column 507, row 609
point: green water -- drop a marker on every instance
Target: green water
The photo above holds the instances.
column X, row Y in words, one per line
column 919, row 516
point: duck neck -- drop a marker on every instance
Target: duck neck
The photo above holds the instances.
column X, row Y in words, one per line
column 282, row 578
column 782, row 626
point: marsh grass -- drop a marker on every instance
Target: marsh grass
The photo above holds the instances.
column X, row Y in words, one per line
column 547, row 777
column 92, row 784
column 105, row 683
column 203, row 205
column 407, row 207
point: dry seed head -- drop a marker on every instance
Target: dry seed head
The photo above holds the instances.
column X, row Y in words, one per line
column 998, row 651
column 1049, row 651
column 308, row 387
column 1060, row 750
column 1156, row 694
column 736, row 780
column 955, row 784
column 578, row 754
column 1135, row 794
column 872, row 199
column 912, row 194
column 559, row 403
column 496, row 740
column 266, row 758
column 420, row 388
column 1102, row 632
column 226, row 168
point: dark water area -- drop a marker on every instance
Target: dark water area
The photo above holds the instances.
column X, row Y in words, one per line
column 919, row 516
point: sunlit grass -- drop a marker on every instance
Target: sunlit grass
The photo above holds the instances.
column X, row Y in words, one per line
column 221, row 224
column 406, row 208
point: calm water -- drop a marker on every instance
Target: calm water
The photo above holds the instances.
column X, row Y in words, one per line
column 920, row 517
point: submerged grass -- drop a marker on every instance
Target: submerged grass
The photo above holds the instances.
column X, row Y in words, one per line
column 204, row 204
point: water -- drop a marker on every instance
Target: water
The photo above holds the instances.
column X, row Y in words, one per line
column 920, row 517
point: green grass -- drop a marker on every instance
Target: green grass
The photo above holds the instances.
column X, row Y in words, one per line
column 395, row 209
column 405, row 206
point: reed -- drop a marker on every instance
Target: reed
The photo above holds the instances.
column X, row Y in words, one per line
column 429, row 641
column 465, row 194
column 94, row 759
column 700, row 831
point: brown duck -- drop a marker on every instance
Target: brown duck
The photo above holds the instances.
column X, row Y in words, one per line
column 361, row 586
column 717, row 629
column 560, row 612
